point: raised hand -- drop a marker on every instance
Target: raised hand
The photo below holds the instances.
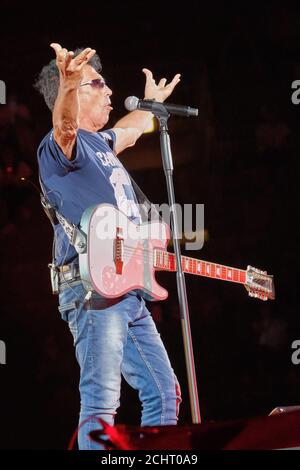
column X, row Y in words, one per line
column 160, row 91
column 71, row 68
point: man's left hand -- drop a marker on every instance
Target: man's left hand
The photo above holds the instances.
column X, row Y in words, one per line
column 160, row 91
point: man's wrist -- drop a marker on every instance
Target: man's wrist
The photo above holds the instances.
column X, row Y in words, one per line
column 154, row 99
column 68, row 84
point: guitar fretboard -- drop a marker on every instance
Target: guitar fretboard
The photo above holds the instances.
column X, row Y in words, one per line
column 167, row 261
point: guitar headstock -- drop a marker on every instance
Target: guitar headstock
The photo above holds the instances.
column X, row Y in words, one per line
column 259, row 284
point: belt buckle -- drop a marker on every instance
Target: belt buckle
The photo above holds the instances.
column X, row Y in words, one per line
column 71, row 273
column 65, row 275
column 64, row 268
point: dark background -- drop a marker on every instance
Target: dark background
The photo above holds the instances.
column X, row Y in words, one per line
column 240, row 158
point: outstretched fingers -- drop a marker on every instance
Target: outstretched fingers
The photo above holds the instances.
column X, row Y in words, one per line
column 174, row 82
column 84, row 56
column 149, row 76
column 68, row 58
column 61, row 52
column 57, row 47
column 162, row 82
column 65, row 59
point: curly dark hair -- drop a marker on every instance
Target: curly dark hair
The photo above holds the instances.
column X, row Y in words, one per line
column 47, row 82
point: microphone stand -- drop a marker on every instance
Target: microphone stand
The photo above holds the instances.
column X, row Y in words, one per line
column 162, row 116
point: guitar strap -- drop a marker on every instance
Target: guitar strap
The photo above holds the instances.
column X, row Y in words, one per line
column 148, row 210
column 75, row 235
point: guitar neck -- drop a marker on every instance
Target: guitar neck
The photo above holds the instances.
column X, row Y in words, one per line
column 167, row 262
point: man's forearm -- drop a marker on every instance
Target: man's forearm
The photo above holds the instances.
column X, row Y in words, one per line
column 138, row 120
column 66, row 109
column 130, row 127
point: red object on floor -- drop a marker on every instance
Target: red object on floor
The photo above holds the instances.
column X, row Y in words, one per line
column 280, row 430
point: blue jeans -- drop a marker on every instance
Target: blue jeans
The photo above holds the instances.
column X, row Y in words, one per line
column 113, row 338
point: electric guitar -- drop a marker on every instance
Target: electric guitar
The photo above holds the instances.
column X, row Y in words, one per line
column 120, row 256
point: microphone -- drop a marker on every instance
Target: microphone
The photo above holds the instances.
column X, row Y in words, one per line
column 132, row 102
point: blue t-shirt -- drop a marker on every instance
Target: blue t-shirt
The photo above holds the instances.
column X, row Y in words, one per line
column 94, row 176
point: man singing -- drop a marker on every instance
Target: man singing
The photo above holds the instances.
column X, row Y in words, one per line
column 79, row 168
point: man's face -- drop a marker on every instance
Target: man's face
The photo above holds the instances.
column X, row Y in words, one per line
column 94, row 100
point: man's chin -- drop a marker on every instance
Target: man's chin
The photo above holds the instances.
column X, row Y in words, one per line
column 104, row 120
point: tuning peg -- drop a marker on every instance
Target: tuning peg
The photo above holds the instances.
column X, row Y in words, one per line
column 258, row 295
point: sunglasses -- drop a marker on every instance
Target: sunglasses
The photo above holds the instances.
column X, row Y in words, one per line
column 96, row 83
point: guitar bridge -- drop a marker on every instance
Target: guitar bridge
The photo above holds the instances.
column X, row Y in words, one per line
column 119, row 251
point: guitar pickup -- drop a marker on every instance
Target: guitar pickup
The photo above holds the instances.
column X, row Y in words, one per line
column 119, row 251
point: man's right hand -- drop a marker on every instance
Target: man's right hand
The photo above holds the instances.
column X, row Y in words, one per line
column 70, row 68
